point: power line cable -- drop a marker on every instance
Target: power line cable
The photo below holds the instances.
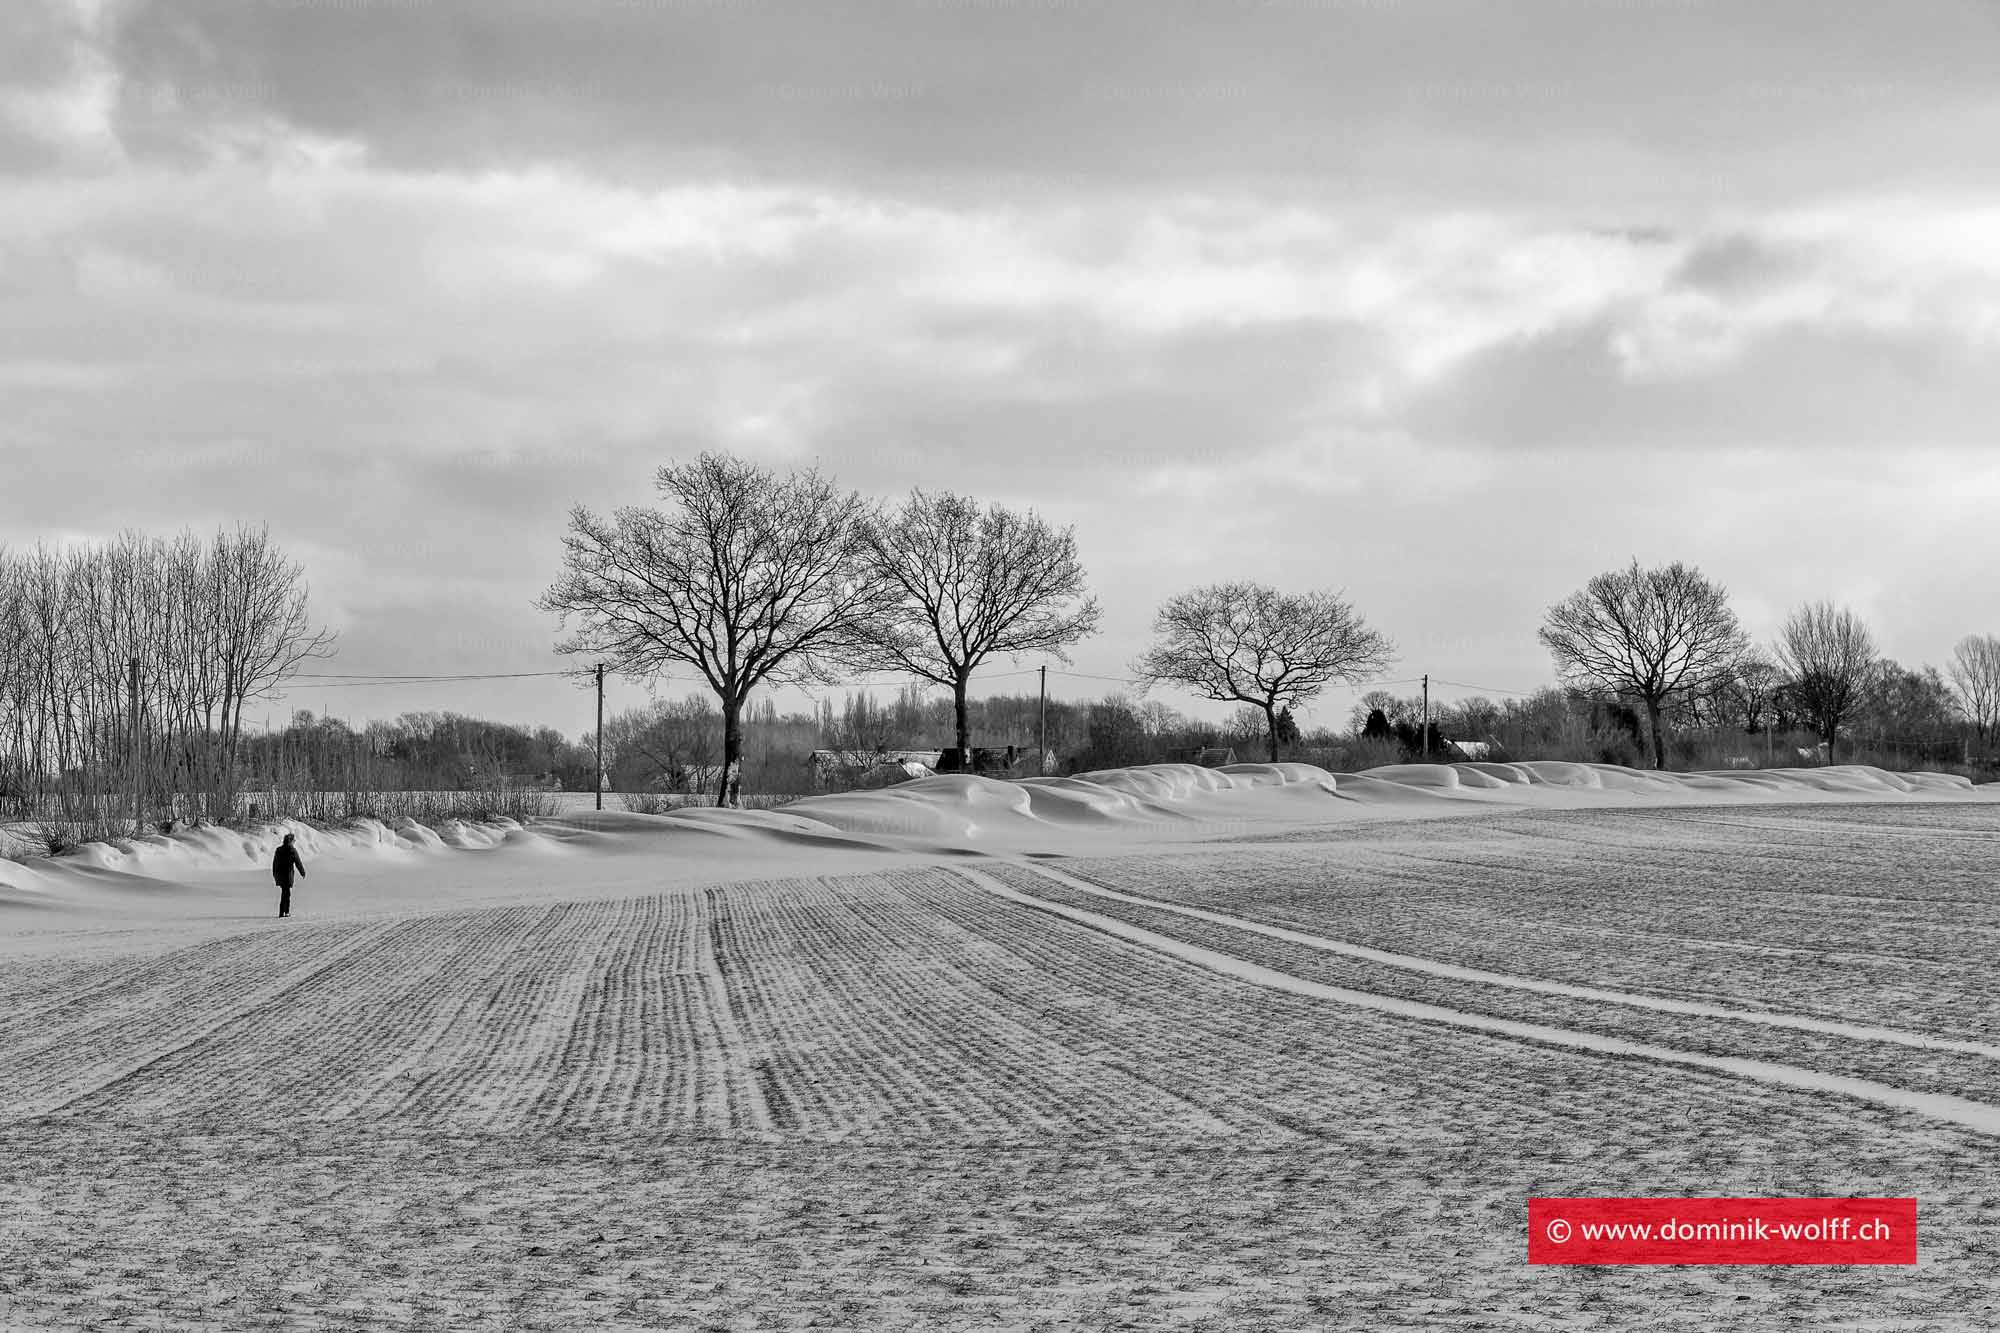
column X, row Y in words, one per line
column 357, row 678
column 1487, row 689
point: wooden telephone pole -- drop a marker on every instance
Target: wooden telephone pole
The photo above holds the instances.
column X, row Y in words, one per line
column 1427, row 714
column 1042, row 727
column 600, row 735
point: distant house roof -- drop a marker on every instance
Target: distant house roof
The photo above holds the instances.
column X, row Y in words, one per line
column 1215, row 756
column 1472, row 750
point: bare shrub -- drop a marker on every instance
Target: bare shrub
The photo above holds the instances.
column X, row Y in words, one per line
column 1363, row 753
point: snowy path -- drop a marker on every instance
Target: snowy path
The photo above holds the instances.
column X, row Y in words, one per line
column 1977, row 1116
column 1455, row 972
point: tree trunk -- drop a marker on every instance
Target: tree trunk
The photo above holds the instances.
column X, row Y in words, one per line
column 729, row 791
column 1659, row 741
column 958, row 687
column 1271, row 730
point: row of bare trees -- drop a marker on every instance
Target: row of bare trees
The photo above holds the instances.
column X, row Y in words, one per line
column 1666, row 638
column 125, row 668
column 755, row 578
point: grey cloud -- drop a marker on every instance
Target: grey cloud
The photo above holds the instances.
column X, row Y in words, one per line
column 1308, row 94
column 1796, row 389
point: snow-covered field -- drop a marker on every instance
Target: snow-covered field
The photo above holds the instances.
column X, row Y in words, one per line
column 1162, row 1048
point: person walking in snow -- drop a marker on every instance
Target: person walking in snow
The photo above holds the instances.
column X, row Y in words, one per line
column 284, row 865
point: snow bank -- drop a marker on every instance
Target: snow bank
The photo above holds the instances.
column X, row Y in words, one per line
column 180, row 880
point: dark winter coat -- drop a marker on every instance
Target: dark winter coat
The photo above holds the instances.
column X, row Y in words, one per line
column 284, row 863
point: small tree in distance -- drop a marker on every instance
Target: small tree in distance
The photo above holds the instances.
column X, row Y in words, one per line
column 1829, row 655
column 1975, row 675
column 1248, row 643
column 1646, row 634
column 964, row 584
column 751, row 578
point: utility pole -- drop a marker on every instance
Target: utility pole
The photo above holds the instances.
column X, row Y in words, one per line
column 1042, row 727
column 137, row 747
column 1427, row 714
column 600, row 735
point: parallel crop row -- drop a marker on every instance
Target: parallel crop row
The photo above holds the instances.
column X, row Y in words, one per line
column 1962, row 1074
column 928, row 1004
column 1657, row 903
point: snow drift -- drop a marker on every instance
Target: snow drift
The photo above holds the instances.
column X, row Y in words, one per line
column 374, row 867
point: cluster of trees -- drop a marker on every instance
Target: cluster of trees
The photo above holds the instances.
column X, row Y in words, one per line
column 1665, row 641
column 126, row 667
column 673, row 745
column 754, row 578
column 423, row 751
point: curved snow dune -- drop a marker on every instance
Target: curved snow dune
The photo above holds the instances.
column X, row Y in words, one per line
column 1129, row 809
column 1182, row 800
column 1512, row 981
column 1980, row 1117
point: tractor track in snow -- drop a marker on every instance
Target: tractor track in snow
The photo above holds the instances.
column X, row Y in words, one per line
column 1512, row 981
column 1980, row 1117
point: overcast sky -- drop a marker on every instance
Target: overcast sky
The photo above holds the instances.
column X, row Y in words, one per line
column 1447, row 305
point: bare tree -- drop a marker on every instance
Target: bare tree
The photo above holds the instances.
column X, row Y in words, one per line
column 1748, row 695
column 262, row 633
column 1248, row 643
column 1975, row 675
column 1646, row 634
column 1829, row 655
column 864, row 727
column 969, row 583
column 752, row 578
column 209, row 627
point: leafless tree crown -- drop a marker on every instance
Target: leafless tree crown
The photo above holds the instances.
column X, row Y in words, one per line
column 1975, row 676
column 214, row 625
column 750, row 578
column 967, row 583
column 1646, row 634
column 1245, row 642
column 1829, row 654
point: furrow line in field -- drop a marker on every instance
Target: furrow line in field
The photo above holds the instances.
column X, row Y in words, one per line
column 336, row 1051
column 1088, row 1017
column 1981, row 1117
column 596, row 1073
column 747, row 1083
column 1919, row 1069
column 875, row 1021
column 142, row 1000
column 472, row 1032
column 179, row 1002
column 312, row 1042
column 92, row 990
column 565, row 1096
column 1928, row 836
column 1455, row 972
column 808, row 980
column 1940, row 982
column 1059, row 1037
column 185, row 1028
column 1269, row 1059
column 892, row 963
column 641, row 1051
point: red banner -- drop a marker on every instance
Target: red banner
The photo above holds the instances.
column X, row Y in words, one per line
column 1722, row 1231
